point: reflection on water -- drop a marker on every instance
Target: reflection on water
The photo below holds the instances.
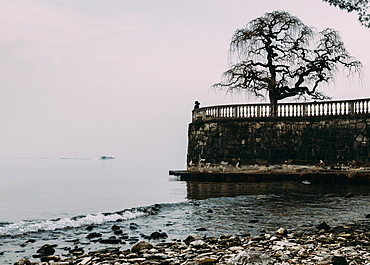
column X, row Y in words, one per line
column 249, row 207
column 204, row 190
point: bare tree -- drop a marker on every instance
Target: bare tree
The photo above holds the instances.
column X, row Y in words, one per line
column 359, row 6
column 279, row 55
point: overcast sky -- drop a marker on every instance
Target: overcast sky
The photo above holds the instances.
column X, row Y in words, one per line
column 85, row 78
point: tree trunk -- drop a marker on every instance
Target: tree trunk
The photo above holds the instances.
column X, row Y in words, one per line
column 273, row 102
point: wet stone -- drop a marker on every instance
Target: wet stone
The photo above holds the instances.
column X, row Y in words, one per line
column 23, row 262
column 46, row 250
column 110, row 241
column 93, row 235
column 158, row 235
column 311, row 246
column 115, row 228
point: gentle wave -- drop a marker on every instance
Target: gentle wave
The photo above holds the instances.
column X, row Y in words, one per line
column 25, row 227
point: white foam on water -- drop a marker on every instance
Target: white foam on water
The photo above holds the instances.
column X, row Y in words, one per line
column 24, row 227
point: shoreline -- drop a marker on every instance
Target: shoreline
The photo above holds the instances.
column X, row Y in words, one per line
column 344, row 244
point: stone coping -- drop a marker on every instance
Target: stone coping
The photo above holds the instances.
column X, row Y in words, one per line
column 309, row 174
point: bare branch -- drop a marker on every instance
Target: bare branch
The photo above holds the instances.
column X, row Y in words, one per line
column 278, row 54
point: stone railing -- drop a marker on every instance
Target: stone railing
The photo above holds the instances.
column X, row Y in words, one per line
column 307, row 109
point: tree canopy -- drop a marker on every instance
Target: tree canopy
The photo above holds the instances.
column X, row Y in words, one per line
column 276, row 54
column 359, row 6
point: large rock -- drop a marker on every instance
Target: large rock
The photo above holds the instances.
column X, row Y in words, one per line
column 323, row 225
column 191, row 238
column 282, row 231
column 198, row 244
column 158, row 235
column 46, row 250
column 140, row 246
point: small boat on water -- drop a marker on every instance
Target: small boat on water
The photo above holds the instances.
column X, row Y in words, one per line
column 106, row 157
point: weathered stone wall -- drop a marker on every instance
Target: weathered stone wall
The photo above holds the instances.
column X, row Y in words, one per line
column 228, row 145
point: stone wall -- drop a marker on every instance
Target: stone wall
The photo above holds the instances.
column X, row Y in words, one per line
column 236, row 144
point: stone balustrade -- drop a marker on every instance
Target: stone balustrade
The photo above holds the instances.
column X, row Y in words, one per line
column 306, row 109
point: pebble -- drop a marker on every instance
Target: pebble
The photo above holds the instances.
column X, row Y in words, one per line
column 342, row 245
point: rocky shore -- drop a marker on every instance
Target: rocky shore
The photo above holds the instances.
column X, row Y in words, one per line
column 340, row 245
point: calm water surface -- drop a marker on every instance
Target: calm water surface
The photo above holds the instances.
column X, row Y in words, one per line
column 54, row 201
column 44, row 188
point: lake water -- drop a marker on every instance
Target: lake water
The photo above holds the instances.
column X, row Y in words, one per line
column 61, row 200
column 44, row 188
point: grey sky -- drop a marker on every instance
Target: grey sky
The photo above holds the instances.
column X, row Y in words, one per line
column 84, row 78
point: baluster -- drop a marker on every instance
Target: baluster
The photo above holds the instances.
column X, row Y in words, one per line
column 335, row 109
column 365, row 107
column 304, row 110
column 339, row 109
column 313, row 110
column 342, row 108
column 348, row 108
